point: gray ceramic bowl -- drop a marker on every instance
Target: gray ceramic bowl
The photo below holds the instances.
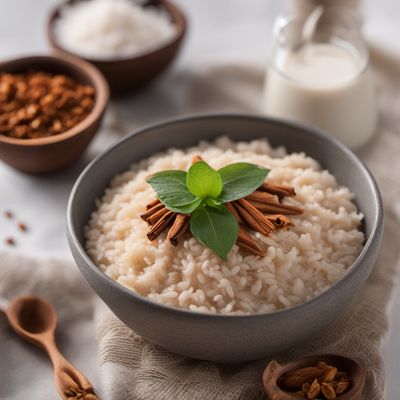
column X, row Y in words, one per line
column 225, row 338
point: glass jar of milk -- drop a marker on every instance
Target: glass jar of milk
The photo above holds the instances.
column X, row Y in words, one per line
column 320, row 75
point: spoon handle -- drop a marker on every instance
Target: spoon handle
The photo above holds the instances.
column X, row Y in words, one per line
column 70, row 382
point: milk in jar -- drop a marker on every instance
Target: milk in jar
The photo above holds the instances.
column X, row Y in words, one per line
column 325, row 84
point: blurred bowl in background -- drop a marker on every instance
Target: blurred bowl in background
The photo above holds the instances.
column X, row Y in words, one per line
column 128, row 74
column 47, row 154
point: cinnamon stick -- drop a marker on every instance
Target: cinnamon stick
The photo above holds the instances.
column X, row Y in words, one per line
column 233, row 211
column 246, row 242
column 279, row 221
column 252, row 217
column 178, row 228
column 277, row 208
column 153, row 219
column 158, row 227
column 263, row 197
column 280, row 190
column 151, row 211
column 153, row 203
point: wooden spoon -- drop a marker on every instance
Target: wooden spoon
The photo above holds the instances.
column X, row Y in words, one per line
column 35, row 320
column 354, row 369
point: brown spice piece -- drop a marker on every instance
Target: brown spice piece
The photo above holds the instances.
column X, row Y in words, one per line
column 295, row 379
column 232, row 210
column 37, row 104
column 157, row 228
column 79, row 394
column 22, row 227
column 9, row 214
column 322, row 364
column 151, row 211
column 263, row 197
column 253, row 217
column 10, row 241
column 246, row 242
column 305, row 387
column 278, row 208
column 154, row 218
column 329, row 374
column 315, row 390
column 153, row 203
column 340, row 375
column 342, row 386
column 178, row 228
column 280, row 221
column 328, row 391
column 279, row 190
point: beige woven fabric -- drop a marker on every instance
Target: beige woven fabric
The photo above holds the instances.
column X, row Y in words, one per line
column 136, row 369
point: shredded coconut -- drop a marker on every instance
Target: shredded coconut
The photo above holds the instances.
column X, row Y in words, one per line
column 112, row 28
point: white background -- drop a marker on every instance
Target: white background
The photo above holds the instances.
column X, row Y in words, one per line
column 219, row 30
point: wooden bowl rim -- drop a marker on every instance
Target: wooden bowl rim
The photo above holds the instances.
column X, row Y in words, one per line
column 176, row 14
column 96, row 80
column 358, row 377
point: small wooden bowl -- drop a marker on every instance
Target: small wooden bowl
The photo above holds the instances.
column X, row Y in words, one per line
column 51, row 153
column 128, row 74
column 354, row 369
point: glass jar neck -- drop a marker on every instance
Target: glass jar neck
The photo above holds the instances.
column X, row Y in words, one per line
column 337, row 28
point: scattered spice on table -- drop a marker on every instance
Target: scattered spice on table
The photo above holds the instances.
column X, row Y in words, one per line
column 37, row 104
column 317, row 381
column 10, row 241
column 22, row 227
column 9, row 214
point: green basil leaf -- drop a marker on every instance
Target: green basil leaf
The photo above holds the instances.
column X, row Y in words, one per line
column 215, row 228
column 210, row 201
column 187, row 208
column 240, row 179
column 203, row 181
column 171, row 189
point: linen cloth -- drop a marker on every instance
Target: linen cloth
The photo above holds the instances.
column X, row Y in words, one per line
column 130, row 367
column 136, row 369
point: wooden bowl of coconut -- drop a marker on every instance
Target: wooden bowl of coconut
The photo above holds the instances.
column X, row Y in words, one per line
column 130, row 44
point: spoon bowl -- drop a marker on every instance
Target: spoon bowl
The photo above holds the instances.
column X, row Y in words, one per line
column 32, row 315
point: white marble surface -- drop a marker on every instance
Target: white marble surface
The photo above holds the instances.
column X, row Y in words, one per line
column 219, row 31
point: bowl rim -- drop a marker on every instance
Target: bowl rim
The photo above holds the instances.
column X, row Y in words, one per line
column 176, row 14
column 375, row 235
column 102, row 94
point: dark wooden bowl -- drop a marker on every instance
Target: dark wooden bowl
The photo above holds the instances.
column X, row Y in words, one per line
column 354, row 369
column 51, row 153
column 128, row 74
